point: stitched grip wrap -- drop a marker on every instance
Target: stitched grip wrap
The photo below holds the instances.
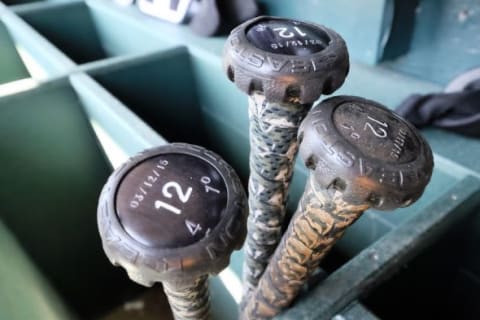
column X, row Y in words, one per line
column 273, row 143
column 284, row 65
column 191, row 302
column 320, row 220
column 361, row 155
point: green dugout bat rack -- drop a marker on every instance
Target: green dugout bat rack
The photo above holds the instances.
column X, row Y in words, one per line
column 85, row 84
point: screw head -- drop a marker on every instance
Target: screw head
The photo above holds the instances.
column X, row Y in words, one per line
column 366, row 151
column 172, row 213
column 286, row 60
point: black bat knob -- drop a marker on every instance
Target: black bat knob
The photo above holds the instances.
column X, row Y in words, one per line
column 366, row 151
column 286, row 60
column 171, row 213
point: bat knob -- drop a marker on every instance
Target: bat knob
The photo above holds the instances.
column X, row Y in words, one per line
column 366, row 151
column 172, row 213
column 286, row 60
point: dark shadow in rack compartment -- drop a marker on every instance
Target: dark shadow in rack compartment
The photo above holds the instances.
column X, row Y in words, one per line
column 70, row 28
column 160, row 89
column 433, row 285
column 15, row 2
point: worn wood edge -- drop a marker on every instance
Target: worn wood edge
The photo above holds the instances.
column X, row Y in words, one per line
column 355, row 311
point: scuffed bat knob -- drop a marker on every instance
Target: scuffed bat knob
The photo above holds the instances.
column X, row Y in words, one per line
column 172, row 213
column 286, row 60
column 366, row 151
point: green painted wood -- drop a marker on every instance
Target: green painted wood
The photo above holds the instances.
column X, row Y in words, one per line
column 163, row 94
column 53, row 171
column 459, row 149
column 25, row 293
column 355, row 311
column 91, row 34
column 364, row 24
column 77, row 37
column 384, row 85
column 445, row 40
column 11, row 65
column 439, row 283
column 16, row 2
column 130, row 134
column 403, row 26
column 50, row 60
column 122, row 40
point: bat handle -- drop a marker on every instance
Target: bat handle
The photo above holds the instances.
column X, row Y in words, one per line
column 320, row 220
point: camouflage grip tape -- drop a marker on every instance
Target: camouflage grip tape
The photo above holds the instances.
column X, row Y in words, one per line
column 320, row 220
column 273, row 144
column 191, row 302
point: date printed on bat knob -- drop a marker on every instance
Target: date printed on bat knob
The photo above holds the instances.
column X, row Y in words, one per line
column 287, row 37
column 148, row 183
column 173, row 199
